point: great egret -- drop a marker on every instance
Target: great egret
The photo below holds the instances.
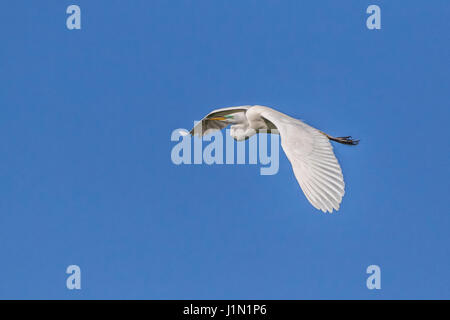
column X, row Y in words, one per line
column 308, row 149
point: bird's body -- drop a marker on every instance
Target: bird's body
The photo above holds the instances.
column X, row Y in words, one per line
column 308, row 149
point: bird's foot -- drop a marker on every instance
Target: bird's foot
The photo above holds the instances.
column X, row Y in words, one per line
column 346, row 140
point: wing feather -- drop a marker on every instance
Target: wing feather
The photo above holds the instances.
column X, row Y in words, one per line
column 313, row 161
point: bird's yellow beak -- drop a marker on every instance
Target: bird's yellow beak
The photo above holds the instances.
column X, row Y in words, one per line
column 218, row 118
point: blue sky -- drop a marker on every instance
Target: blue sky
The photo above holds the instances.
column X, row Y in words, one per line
column 87, row 179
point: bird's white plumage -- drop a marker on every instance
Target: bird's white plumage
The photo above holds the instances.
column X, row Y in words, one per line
column 311, row 154
column 309, row 150
column 204, row 127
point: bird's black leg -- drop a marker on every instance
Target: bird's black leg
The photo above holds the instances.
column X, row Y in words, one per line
column 344, row 140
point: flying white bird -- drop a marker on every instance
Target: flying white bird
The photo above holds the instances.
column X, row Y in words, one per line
column 308, row 149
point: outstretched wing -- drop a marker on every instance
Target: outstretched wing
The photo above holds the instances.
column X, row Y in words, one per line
column 313, row 161
column 206, row 126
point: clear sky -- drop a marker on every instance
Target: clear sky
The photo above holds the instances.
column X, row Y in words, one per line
column 87, row 178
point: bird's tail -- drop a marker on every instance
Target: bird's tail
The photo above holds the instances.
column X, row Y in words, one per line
column 344, row 140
